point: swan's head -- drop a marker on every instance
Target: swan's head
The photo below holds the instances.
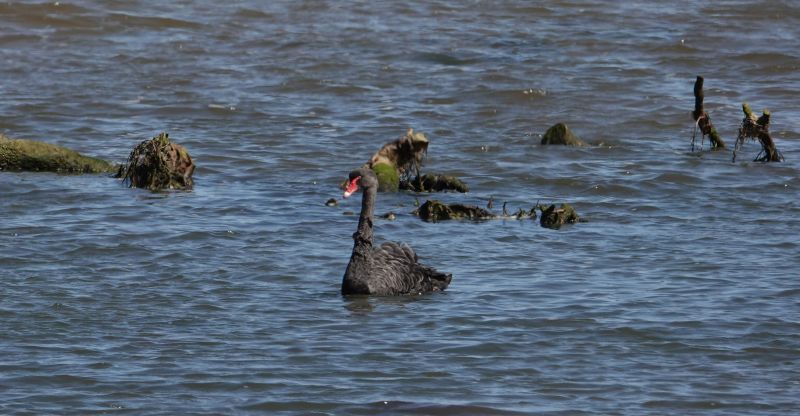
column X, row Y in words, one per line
column 362, row 178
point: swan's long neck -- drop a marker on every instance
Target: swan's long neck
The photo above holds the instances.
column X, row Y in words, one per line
column 363, row 235
column 359, row 269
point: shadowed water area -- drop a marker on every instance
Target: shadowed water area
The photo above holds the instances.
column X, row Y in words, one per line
column 678, row 296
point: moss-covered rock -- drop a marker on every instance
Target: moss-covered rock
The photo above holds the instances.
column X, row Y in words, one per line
column 158, row 164
column 560, row 134
column 434, row 183
column 30, row 155
column 554, row 218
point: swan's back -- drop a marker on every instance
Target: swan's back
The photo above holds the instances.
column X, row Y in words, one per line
column 395, row 271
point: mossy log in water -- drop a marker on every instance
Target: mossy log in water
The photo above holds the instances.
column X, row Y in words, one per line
column 29, row 155
column 158, row 164
column 434, row 183
column 560, row 134
column 702, row 119
column 757, row 128
column 554, row 218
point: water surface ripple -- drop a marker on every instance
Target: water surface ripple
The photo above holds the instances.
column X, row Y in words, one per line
column 679, row 295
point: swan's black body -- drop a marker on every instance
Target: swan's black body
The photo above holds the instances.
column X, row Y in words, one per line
column 390, row 269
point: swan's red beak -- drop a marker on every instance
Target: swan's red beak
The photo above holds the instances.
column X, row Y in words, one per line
column 352, row 187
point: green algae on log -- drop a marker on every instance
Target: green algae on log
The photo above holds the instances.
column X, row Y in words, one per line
column 560, row 134
column 702, row 119
column 158, row 164
column 434, row 183
column 554, row 218
column 434, row 211
column 30, row 155
column 757, row 128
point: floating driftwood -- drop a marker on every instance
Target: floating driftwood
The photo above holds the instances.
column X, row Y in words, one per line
column 434, row 183
column 757, row 128
column 158, row 164
column 560, row 134
column 554, row 218
column 30, row 155
column 702, row 121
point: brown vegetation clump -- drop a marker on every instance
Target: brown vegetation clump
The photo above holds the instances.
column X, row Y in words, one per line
column 434, row 211
column 434, row 183
column 158, row 164
column 554, row 218
column 404, row 154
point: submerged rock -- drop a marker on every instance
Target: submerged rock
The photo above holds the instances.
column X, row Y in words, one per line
column 30, row 155
column 158, row 164
column 554, row 218
column 434, row 183
column 562, row 135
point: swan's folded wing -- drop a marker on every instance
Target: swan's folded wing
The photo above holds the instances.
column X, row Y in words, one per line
column 395, row 269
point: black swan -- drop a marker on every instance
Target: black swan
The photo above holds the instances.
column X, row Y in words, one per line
column 390, row 269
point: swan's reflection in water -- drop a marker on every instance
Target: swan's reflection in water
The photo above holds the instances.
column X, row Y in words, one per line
column 363, row 304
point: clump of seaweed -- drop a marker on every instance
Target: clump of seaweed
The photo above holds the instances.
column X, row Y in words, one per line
column 554, row 218
column 434, row 183
column 158, row 164
column 433, row 211
column 757, row 128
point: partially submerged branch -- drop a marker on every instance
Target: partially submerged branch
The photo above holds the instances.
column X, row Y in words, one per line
column 757, row 128
column 702, row 119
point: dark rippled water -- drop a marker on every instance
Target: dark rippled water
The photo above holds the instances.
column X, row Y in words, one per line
column 678, row 296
